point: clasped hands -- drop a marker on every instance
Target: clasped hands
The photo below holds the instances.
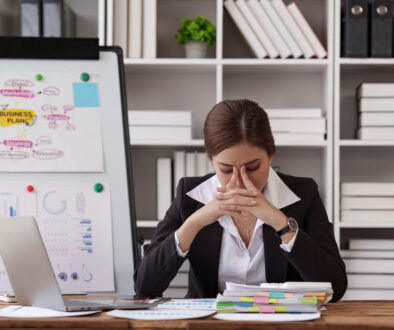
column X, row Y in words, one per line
column 250, row 200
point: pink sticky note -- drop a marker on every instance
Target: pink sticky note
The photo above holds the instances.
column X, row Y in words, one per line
column 260, row 300
column 267, row 309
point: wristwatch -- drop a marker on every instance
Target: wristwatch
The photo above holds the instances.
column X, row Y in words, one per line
column 292, row 225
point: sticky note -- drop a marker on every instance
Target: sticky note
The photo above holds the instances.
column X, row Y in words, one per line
column 85, row 95
column 277, row 294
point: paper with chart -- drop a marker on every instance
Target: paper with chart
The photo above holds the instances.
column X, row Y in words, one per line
column 75, row 223
column 49, row 125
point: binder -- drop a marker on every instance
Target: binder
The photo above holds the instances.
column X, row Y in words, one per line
column 381, row 28
column 356, row 28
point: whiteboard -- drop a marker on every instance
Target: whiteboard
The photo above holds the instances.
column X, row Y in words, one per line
column 116, row 151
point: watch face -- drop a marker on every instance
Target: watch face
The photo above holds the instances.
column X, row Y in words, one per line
column 293, row 224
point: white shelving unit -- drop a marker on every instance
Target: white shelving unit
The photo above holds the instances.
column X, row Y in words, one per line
column 358, row 160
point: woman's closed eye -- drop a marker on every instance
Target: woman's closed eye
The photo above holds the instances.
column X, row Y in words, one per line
column 248, row 168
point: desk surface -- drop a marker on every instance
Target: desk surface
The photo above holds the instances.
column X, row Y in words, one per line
column 341, row 315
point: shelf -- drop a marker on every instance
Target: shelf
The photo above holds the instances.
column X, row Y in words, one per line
column 366, row 143
column 170, row 64
column 371, row 224
column 366, row 61
column 200, row 143
column 147, row 223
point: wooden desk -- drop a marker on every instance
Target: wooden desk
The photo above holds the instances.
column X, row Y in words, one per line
column 342, row 315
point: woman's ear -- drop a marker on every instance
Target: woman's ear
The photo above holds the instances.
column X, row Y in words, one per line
column 271, row 158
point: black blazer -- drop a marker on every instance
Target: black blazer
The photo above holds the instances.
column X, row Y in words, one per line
column 314, row 256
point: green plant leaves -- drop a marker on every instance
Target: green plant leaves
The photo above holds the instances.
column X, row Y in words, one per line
column 197, row 29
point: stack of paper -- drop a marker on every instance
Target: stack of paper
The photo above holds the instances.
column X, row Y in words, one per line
column 289, row 297
column 160, row 125
column 367, row 202
column 370, row 269
column 273, row 29
column 376, row 111
column 297, row 124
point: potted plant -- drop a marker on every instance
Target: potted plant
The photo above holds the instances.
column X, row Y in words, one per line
column 196, row 34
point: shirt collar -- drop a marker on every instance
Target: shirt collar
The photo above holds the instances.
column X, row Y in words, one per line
column 275, row 190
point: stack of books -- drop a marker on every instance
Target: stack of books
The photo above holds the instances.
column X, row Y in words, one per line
column 289, row 297
column 367, row 202
column 170, row 171
column 370, row 269
column 376, row 111
column 160, row 125
column 273, row 29
column 297, row 124
column 135, row 27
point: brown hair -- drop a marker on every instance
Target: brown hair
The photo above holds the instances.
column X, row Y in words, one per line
column 234, row 121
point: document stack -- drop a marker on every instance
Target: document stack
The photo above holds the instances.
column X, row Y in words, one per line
column 297, row 124
column 273, row 29
column 368, row 202
column 370, row 269
column 160, row 125
column 376, row 111
column 288, row 297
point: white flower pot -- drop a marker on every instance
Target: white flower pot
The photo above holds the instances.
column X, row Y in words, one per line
column 196, row 49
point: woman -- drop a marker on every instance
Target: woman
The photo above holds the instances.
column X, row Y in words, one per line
column 246, row 224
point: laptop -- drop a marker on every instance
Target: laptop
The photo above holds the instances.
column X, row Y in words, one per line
column 31, row 275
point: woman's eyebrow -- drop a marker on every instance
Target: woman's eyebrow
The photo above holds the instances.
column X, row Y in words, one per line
column 247, row 163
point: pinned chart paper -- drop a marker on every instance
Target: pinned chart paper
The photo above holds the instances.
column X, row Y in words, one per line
column 279, row 317
column 75, row 223
column 49, row 125
column 151, row 314
column 30, row 311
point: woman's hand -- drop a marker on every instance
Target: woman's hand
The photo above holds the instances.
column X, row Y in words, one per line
column 235, row 200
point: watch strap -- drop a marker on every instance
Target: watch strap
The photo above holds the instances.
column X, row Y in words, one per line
column 283, row 231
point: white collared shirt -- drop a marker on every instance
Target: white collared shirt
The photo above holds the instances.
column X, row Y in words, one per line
column 238, row 263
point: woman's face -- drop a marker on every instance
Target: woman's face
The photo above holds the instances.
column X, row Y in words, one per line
column 256, row 160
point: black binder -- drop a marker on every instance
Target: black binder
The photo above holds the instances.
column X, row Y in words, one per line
column 381, row 28
column 356, row 28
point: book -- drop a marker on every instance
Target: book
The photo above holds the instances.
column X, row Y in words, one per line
column 381, row 119
column 367, row 215
column 135, row 29
column 164, row 186
column 179, row 168
column 383, row 189
column 30, row 18
column 191, row 164
column 245, row 29
column 298, row 125
column 151, row 133
column 375, row 133
column 367, row 254
column 201, row 164
column 371, row 281
column 58, row 20
column 376, row 104
column 371, row 203
column 310, row 35
column 160, row 117
column 294, row 113
column 120, row 22
column 269, row 27
column 149, row 29
column 371, row 244
column 375, row 90
column 257, row 29
column 376, row 266
column 281, row 27
column 304, row 137
column 293, row 28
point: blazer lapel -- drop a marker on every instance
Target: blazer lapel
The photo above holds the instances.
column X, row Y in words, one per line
column 275, row 262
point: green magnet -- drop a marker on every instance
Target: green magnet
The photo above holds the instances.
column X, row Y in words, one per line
column 98, row 187
column 39, row 77
column 85, row 76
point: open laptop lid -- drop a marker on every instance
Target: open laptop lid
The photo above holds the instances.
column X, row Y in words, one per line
column 28, row 267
